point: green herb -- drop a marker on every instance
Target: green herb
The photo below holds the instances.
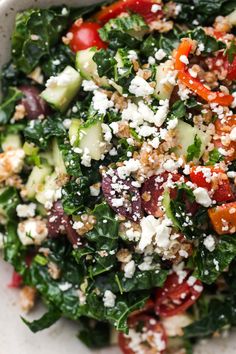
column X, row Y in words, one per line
column 194, row 150
column 7, row 107
column 231, row 52
column 214, row 157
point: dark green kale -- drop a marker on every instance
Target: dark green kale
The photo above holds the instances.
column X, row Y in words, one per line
column 210, row 44
column 209, row 265
column 203, row 12
column 71, row 159
column 47, row 320
column 105, row 63
column 74, row 195
column 59, row 58
column 166, row 41
column 7, row 107
column 231, row 52
column 219, row 313
column 35, row 33
column 194, row 150
column 94, row 335
column 14, row 251
column 40, row 132
column 133, row 25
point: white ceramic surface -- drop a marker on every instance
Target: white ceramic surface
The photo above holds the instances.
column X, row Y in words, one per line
column 15, row 338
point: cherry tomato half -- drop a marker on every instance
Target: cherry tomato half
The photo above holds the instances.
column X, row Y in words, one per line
column 85, row 35
column 176, row 297
column 224, row 128
column 221, row 64
column 16, row 280
column 219, row 182
column 142, row 7
column 149, row 329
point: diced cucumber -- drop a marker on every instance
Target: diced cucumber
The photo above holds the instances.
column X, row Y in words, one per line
column 232, row 18
column 59, row 164
column 163, row 90
column 74, row 131
column 60, row 94
column 87, row 136
column 91, row 138
column 30, row 149
column 11, row 141
column 88, row 68
column 166, row 204
column 36, row 179
column 185, row 136
column 47, row 189
column 84, row 63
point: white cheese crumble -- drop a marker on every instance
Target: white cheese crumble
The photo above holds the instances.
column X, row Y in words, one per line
column 129, row 269
column 209, row 243
column 174, row 324
column 89, row 85
column 132, row 55
column 129, row 166
column 65, row 286
column 160, row 54
column 155, row 8
column 184, row 59
column 26, row 210
column 32, row 232
column 202, row 197
column 101, row 103
column 109, row 299
column 140, row 87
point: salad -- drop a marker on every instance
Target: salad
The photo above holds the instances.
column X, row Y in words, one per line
column 118, row 155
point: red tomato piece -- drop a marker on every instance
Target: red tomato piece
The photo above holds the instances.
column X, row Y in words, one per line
column 183, row 50
column 196, row 86
column 218, row 181
column 16, row 280
column 221, row 64
column 152, row 190
column 223, row 218
column 223, row 128
column 176, row 297
column 153, row 338
column 142, row 7
column 148, row 307
column 85, row 35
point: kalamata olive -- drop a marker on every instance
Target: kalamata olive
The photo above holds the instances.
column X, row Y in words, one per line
column 60, row 223
column 122, row 196
column 55, row 218
column 34, row 105
column 152, row 190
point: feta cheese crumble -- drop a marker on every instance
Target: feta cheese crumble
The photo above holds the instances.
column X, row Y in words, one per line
column 109, row 299
column 140, row 87
column 202, row 197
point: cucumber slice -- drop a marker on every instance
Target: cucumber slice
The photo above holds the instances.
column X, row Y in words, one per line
column 185, row 135
column 47, row 190
column 91, row 138
column 88, row 68
column 166, row 204
column 61, row 92
column 74, row 131
column 36, row 179
column 59, row 164
column 232, row 18
column 87, row 136
column 164, row 90
column 11, row 142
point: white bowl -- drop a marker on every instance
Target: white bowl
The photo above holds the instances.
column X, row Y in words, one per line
column 15, row 338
